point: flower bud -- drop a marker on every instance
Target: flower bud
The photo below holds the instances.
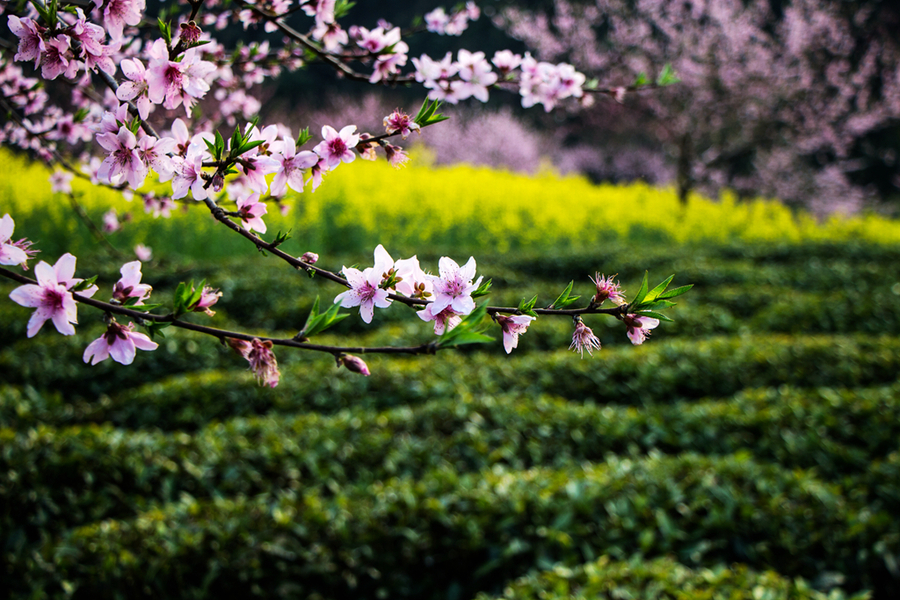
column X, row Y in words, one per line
column 354, row 364
column 310, row 257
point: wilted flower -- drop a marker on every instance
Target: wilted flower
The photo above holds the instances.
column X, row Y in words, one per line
column 607, row 290
column 208, row 298
column 584, row 339
column 261, row 358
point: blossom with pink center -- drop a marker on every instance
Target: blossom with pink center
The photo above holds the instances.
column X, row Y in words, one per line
column 400, row 122
column 261, row 358
column 57, row 58
column 291, row 167
column 584, row 339
column 130, row 286
column 143, row 252
column 607, row 289
column 378, row 39
column 160, row 207
column 454, row 287
column 354, row 364
column 31, row 44
column 123, row 160
column 91, row 37
column 366, row 148
column 172, row 83
column 364, row 291
column 10, row 253
column 387, row 65
column 476, row 72
column 437, row 20
column 119, row 342
column 254, row 170
column 188, row 175
column 444, row 320
column 137, row 88
column 639, row 327
column 512, row 328
column 337, row 147
column 61, row 182
column 250, row 210
column 51, row 296
column 331, row 35
column 111, row 221
column 155, row 155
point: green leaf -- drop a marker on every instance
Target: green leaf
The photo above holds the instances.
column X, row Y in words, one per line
column 80, row 287
column 640, row 80
column 211, row 147
column 248, row 146
column 676, row 292
column 526, row 307
column 483, row 289
column 562, row 298
column 657, row 304
column 304, row 136
column 655, row 292
column 642, row 293
column 154, row 329
column 667, row 76
column 655, row 315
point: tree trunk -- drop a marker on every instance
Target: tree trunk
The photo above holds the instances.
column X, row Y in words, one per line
column 684, row 180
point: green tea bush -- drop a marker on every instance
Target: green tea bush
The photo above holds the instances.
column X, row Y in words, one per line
column 660, row 579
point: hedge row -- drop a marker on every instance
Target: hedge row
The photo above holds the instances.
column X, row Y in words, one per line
column 641, row 376
column 52, row 479
column 405, row 538
column 660, row 579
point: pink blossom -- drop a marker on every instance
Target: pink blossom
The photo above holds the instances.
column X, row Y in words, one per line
column 322, row 10
column 154, row 153
column 364, row 292
column 607, row 289
column 584, row 339
column 119, row 13
column 10, row 253
column 188, row 175
column 31, row 44
column 317, row 173
column 290, row 169
column 51, row 296
column 160, row 207
column 111, row 221
column 261, row 358
column 337, row 147
column 395, row 155
column 400, row 122
column 143, row 252
column 506, row 61
column 61, row 182
column 172, row 83
column 512, row 328
column 310, row 257
column 436, row 21
column 120, row 342
column 331, row 35
column 444, row 320
column 123, row 160
column 208, row 298
column 57, row 58
column 411, row 280
column 137, row 87
column 354, row 364
column 454, row 287
column 387, row 65
column 130, row 286
column 476, row 72
column 250, row 211
column 639, row 327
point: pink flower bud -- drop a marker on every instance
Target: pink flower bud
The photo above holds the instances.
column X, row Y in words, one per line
column 354, row 364
column 310, row 257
